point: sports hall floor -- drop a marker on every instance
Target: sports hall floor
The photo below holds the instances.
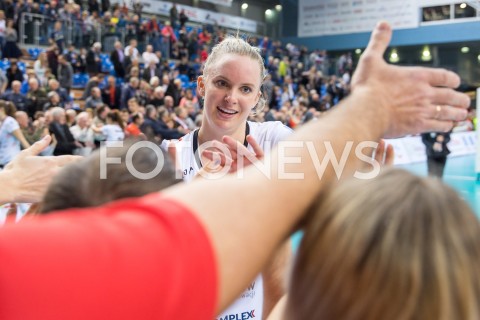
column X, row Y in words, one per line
column 459, row 174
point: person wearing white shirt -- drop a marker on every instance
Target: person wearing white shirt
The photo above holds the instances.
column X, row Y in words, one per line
column 135, row 53
column 83, row 134
column 149, row 56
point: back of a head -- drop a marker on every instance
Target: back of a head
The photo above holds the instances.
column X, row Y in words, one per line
column 86, row 184
column 395, row 247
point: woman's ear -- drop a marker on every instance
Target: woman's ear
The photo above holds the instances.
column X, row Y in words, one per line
column 201, row 86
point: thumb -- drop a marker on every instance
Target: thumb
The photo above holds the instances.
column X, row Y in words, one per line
column 37, row 147
column 379, row 40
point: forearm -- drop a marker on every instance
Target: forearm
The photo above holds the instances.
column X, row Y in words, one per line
column 274, row 277
column 254, row 234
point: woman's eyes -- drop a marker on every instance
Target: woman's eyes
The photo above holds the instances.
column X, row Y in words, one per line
column 246, row 89
column 223, row 83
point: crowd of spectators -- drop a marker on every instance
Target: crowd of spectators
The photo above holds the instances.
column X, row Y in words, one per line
column 142, row 69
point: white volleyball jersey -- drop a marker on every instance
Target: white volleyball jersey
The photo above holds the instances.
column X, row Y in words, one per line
column 267, row 135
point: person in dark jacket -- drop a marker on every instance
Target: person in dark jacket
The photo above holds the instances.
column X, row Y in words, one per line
column 66, row 143
column 437, row 152
column 157, row 130
column 93, row 59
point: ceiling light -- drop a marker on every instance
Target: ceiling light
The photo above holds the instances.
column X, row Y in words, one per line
column 463, row 5
column 394, row 56
column 278, row 7
column 465, row 49
column 426, row 54
column 244, row 6
column 358, row 51
column 268, row 12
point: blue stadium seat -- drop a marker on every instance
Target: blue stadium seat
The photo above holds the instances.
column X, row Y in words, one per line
column 21, row 66
column 77, row 81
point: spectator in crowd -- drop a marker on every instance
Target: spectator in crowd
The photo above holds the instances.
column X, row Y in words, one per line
column 174, row 90
column 36, row 96
column 16, row 97
column 129, row 91
column 11, row 49
column 66, row 143
column 183, row 18
column 53, row 101
column 156, row 130
column 111, row 93
column 94, row 63
column 65, row 73
column 151, row 71
column 157, row 99
column 3, row 82
column 52, row 58
column 118, row 57
column 31, row 132
column 40, row 66
column 133, row 129
column 113, row 129
column 57, row 36
column 174, row 16
column 149, row 56
column 54, row 85
column 95, row 99
column 11, row 137
column 13, row 73
column 437, row 151
column 2, row 30
column 94, row 81
column 183, row 120
column 131, row 50
column 83, row 133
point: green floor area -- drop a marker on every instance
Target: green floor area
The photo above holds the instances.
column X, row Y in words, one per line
column 459, row 173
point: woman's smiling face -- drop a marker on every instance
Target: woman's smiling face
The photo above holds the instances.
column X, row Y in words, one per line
column 231, row 90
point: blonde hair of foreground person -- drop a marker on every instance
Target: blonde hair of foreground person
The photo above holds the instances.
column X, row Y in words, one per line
column 395, row 247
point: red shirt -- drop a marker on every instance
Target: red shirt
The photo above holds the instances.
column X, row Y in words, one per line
column 133, row 130
column 143, row 258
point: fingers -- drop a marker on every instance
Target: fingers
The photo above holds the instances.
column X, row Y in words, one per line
column 216, row 161
column 37, row 147
column 255, row 146
column 447, row 113
column 433, row 125
column 379, row 40
column 238, row 148
column 172, row 153
column 441, row 77
column 446, row 96
column 379, row 152
column 389, row 155
column 62, row 161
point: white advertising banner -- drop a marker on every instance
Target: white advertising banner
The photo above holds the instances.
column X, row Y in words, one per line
column 199, row 15
column 331, row 17
column 226, row 3
column 411, row 149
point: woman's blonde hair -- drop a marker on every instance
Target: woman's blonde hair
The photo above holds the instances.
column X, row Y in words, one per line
column 396, row 247
column 236, row 45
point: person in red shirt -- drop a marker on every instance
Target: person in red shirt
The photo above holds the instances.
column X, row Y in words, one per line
column 189, row 252
column 133, row 129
